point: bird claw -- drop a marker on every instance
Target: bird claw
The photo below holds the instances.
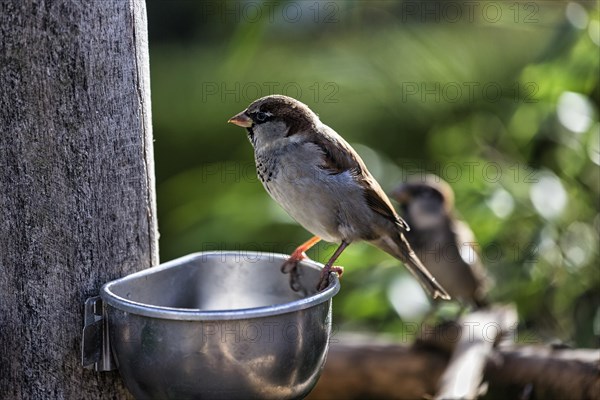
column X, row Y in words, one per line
column 324, row 281
column 290, row 266
column 295, row 284
column 292, row 262
column 338, row 270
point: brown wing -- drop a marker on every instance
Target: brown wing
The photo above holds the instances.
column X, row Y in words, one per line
column 340, row 157
column 379, row 202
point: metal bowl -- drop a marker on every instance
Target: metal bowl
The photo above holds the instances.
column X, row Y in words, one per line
column 219, row 325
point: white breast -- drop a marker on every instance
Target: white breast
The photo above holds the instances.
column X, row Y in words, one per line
column 315, row 199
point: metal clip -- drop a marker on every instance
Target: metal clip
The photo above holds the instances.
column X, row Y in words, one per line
column 95, row 343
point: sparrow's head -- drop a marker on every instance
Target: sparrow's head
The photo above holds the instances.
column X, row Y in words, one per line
column 426, row 201
column 274, row 118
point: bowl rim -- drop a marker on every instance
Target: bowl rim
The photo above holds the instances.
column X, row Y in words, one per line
column 191, row 314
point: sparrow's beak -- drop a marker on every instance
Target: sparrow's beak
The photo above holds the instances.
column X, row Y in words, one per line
column 241, row 119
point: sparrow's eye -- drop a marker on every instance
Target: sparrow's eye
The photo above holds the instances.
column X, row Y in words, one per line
column 261, row 116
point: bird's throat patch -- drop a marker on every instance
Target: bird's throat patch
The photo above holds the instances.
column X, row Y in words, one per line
column 250, row 133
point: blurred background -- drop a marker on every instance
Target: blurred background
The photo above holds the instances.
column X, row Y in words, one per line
column 499, row 98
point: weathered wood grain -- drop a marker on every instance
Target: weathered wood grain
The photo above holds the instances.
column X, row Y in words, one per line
column 76, row 183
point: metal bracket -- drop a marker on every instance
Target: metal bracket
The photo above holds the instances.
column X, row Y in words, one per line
column 95, row 342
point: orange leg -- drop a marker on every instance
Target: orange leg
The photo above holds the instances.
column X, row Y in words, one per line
column 290, row 266
column 299, row 254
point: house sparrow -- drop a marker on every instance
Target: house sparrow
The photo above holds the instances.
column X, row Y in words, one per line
column 444, row 243
column 323, row 184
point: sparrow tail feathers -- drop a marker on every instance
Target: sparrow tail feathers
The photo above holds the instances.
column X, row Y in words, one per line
column 400, row 249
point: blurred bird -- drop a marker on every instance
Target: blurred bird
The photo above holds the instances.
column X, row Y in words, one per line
column 445, row 244
column 323, row 184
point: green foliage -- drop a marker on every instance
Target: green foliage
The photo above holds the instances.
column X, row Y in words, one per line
column 506, row 111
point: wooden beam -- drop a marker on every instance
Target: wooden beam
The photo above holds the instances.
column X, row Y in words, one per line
column 360, row 367
column 77, row 183
column 367, row 367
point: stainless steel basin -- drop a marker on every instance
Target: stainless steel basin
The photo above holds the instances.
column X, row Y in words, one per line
column 219, row 325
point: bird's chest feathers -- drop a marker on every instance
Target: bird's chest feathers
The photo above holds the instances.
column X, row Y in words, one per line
column 267, row 168
column 309, row 194
column 288, row 174
column 288, row 168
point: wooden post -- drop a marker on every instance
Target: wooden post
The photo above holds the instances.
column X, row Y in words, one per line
column 77, row 193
